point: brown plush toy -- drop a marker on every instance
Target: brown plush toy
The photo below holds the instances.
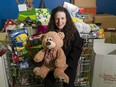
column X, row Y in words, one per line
column 53, row 56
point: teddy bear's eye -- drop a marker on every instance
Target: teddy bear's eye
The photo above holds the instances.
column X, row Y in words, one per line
column 49, row 39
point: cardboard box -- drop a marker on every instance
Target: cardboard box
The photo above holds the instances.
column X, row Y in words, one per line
column 3, row 36
column 88, row 5
column 110, row 36
column 104, row 66
column 105, row 20
column 90, row 10
column 88, row 18
column 85, row 3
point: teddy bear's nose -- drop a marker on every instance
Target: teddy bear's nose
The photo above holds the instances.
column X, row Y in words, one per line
column 48, row 43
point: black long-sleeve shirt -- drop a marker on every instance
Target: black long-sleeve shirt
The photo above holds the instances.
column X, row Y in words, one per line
column 73, row 51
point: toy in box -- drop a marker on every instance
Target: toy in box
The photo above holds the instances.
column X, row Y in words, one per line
column 19, row 40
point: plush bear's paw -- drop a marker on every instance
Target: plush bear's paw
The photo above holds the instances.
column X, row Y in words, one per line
column 41, row 71
column 59, row 82
column 63, row 77
column 59, row 73
column 36, row 69
column 66, row 79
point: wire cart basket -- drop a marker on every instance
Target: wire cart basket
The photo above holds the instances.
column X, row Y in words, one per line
column 20, row 74
column 83, row 77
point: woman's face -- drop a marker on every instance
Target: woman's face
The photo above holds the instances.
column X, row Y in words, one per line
column 60, row 20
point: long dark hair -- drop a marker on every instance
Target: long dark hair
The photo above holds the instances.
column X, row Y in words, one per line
column 69, row 29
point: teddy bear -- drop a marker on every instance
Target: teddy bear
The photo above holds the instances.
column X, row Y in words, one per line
column 52, row 55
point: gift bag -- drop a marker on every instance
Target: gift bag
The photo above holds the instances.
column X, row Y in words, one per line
column 25, row 14
column 42, row 17
column 42, row 14
column 30, row 12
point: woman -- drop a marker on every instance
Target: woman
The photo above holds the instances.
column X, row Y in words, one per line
column 61, row 21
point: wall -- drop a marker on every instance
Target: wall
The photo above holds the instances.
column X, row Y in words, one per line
column 106, row 6
column 9, row 8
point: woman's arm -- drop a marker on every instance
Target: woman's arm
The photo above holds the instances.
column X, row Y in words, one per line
column 75, row 51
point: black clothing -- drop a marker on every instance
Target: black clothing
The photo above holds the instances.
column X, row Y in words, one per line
column 72, row 53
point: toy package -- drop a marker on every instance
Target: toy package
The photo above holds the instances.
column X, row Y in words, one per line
column 74, row 10
column 19, row 39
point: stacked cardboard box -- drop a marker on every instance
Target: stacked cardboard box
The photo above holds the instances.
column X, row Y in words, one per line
column 105, row 20
column 88, row 5
column 110, row 36
column 88, row 19
column 108, row 23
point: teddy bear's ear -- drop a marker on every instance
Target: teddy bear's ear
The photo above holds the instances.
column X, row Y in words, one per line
column 41, row 36
column 61, row 34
